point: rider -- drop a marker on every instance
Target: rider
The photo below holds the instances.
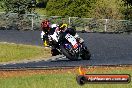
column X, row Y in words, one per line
column 72, row 31
column 45, row 27
column 48, row 29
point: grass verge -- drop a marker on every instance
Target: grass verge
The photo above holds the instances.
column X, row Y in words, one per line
column 16, row 52
column 61, row 78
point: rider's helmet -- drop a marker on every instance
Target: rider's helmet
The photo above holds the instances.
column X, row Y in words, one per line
column 62, row 26
column 45, row 24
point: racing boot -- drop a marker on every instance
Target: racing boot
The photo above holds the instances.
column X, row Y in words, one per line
column 46, row 41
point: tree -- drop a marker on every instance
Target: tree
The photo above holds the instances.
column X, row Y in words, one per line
column 41, row 3
column 77, row 8
column 128, row 10
column 18, row 6
column 128, row 2
column 108, row 9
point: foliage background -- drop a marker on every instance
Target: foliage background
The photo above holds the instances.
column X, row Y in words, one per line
column 101, row 9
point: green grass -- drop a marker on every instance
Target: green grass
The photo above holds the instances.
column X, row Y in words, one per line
column 16, row 52
column 66, row 80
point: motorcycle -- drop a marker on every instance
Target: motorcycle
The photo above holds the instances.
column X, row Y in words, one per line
column 68, row 45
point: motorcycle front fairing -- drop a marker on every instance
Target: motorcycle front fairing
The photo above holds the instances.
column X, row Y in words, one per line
column 72, row 40
column 71, row 44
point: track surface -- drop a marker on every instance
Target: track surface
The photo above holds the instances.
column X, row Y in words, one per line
column 106, row 49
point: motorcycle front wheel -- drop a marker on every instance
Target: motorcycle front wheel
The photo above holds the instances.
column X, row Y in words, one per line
column 68, row 54
column 85, row 55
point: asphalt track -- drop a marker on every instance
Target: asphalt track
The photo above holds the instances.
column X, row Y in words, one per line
column 106, row 49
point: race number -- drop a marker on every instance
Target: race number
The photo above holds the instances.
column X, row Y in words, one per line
column 72, row 40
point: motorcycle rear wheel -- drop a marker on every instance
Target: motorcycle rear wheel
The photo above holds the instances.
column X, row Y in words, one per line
column 55, row 52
